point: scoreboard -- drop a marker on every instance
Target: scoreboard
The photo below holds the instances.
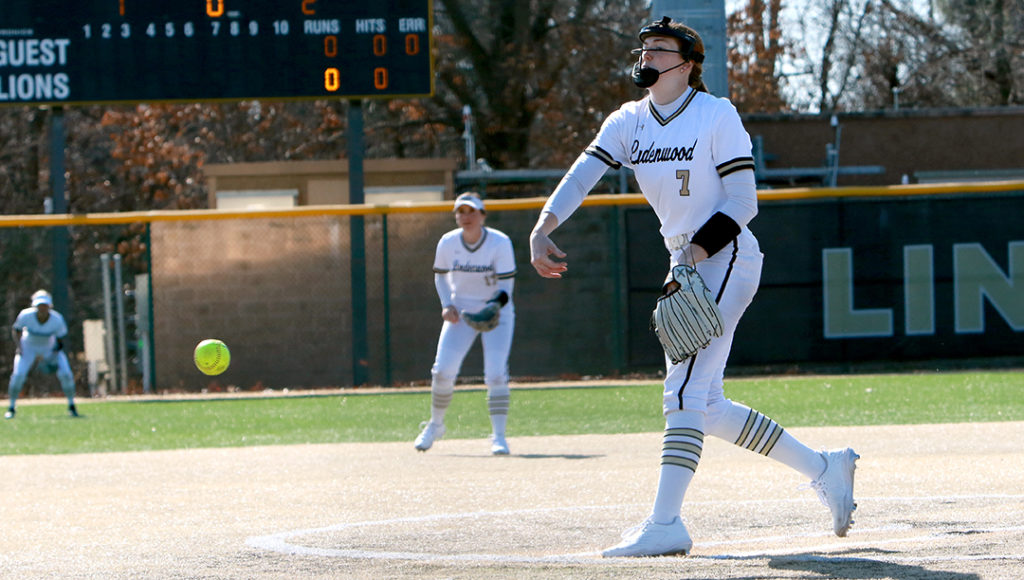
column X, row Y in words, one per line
column 109, row 51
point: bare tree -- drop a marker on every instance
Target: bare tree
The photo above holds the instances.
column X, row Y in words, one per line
column 756, row 46
column 991, row 36
column 538, row 75
column 869, row 54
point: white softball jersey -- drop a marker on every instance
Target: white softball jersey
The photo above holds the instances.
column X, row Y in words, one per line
column 40, row 337
column 474, row 273
column 38, row 340
column 679, row 153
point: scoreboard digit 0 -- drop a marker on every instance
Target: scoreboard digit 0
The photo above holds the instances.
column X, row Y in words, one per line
column 108, row 51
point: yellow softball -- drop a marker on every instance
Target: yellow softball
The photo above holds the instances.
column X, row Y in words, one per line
column 212, row 356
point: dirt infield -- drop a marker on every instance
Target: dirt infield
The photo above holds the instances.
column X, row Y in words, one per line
column 935, row 501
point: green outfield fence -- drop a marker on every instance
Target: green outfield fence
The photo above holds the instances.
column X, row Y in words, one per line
column 277, row 286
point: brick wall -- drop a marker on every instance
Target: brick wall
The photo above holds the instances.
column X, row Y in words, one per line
column 904, row 142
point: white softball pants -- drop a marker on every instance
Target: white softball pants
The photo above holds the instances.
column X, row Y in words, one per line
column 28, row 356
column 732, row 275
column 455, row 341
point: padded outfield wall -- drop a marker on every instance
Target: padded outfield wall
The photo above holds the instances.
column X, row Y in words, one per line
column 854, row 279
column 876, row 278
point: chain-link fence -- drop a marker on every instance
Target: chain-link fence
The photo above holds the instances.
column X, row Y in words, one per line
column 26, row 265
column 284, row 290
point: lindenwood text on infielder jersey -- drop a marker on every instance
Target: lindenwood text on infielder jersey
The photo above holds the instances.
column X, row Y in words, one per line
column 473, row 271
column 679, row 152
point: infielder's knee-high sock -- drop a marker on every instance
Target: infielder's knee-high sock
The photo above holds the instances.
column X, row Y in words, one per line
column 441, row 391
column 439, row 403
column 498, row 408
column 498, row 423
column 754, row 431
column 680, row 454
column 497, row 405
column 14, row 389
column 67, row 384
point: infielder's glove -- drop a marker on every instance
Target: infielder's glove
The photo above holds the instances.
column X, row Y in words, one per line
column 686, row 316
column 49, row 366
column 487, row 318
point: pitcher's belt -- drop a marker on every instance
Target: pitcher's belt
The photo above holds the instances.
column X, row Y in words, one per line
column 677, row 242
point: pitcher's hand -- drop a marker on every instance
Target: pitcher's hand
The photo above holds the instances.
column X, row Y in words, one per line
column 541, row 248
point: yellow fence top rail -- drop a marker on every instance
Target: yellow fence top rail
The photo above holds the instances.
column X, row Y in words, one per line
column 534, row 203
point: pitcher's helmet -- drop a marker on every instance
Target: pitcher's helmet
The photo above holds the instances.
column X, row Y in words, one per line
column 689, row 43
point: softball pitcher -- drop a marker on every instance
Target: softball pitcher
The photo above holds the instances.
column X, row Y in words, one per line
column 474, row 270
column 692, row 159
column 37, row 334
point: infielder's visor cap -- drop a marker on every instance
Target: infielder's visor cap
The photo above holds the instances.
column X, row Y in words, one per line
column 470, row 200
column 687, row 42
column 41, row 298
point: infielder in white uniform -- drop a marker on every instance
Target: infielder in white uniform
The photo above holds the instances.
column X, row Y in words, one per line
column 692, row 159
column 37, row 334
column 473, row 265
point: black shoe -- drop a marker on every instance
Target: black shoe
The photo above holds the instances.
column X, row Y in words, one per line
column 9, row 414
column 72, row 412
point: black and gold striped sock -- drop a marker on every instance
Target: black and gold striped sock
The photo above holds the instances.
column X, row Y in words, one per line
column 759, row 433
column 682, row 447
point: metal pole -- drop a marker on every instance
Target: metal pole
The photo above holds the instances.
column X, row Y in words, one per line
column 835, row 151
column 59, row 203
column 467, row 134
column 616, row 225
column 150, row 353
column 122, row 347
column 360, row 357
column 142, row 326
column 108, row 323
column 387, row 301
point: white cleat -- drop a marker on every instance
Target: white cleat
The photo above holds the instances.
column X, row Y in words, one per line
column 498, row 445
column 431, row 432
column 835, row 487
column 651, row 539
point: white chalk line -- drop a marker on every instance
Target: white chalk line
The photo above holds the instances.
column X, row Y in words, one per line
column 279, row 542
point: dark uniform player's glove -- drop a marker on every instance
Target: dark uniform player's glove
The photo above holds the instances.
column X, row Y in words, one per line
column 686, row 316
column 486, row 318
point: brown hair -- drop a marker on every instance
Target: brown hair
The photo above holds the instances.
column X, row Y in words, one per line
column 698, row 46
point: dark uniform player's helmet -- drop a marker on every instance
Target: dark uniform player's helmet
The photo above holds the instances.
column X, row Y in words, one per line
column 687, row 41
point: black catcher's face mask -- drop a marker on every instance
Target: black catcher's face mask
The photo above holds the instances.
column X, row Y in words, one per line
column 646, row 76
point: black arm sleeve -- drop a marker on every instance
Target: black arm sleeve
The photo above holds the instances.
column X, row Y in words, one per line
column 716, row 233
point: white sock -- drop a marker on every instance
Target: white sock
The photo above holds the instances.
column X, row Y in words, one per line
column 680, row 454
column 752, row 430
column 439, row 403
column 498, row 424
column 790, row 451
column 497, row 406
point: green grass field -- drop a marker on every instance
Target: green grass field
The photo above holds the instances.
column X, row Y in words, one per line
column 794, row 401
